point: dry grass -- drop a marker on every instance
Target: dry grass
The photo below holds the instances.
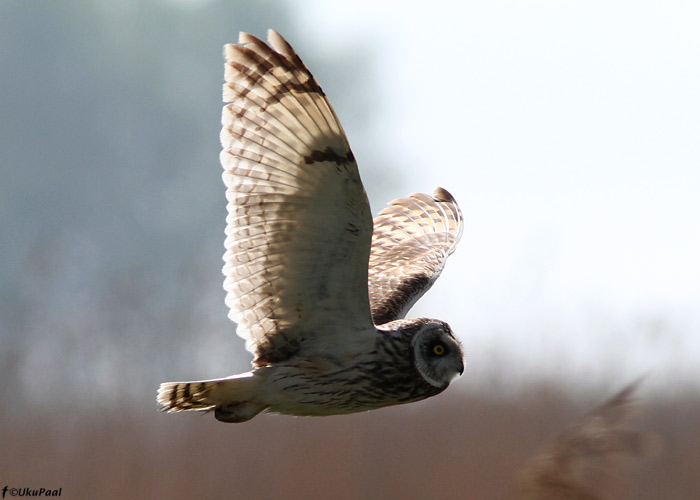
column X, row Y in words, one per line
column 587, row 461
column 454, row 446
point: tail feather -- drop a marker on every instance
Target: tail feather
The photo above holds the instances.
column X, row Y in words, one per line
column 184, row 396
column 207, row 395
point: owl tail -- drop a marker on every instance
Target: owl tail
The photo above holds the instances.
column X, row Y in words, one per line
column 231, row 398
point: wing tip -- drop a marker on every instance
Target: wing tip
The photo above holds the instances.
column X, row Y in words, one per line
column 244, row 37
column 233, row 50
column 442, row 194
column 274, row 38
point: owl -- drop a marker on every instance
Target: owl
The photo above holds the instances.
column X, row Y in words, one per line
column 318, row 290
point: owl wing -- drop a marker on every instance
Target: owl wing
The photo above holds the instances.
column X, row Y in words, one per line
column 412, row 239
column 299, row 226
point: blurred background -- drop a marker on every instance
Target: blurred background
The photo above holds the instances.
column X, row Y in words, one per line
column 568, row 131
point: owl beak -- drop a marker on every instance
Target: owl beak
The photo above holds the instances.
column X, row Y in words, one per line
column 453, row 374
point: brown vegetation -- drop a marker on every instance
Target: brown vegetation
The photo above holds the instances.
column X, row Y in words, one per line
column 585, row 462
column 458, row 445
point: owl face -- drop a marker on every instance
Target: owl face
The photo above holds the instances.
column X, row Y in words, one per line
column 438, row 355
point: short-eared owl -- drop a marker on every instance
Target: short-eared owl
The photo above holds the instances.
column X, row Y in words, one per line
column 318, row 290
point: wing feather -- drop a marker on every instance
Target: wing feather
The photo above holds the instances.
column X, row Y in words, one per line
column 412, row 239
column 299, row 228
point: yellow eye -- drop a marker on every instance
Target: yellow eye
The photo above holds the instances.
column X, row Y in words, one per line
column 439, row 349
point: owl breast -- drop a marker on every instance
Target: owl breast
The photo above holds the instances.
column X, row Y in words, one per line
column 385, row 376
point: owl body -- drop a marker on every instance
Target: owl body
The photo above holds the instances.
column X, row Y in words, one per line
column 398, row 367
column 318, row 289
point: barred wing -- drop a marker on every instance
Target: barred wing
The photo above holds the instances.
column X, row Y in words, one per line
column 299, row 225
column 412, row 239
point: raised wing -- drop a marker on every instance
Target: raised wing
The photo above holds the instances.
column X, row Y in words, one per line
column 412, row 239
column 299, row 225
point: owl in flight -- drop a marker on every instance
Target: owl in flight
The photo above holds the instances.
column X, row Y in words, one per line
column 319, row 291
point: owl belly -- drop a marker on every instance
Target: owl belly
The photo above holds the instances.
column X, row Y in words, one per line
column 317, row 389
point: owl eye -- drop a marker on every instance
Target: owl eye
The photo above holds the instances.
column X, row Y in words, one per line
column 438, row 349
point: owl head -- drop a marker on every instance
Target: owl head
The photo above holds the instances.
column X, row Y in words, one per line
column 437, row 353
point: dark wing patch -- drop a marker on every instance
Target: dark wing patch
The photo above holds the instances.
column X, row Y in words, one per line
column 411, row 241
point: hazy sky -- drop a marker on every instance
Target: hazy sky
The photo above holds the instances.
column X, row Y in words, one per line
column 569, row 131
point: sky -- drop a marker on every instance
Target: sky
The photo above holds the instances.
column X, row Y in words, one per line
column 567, row 131
column 570, row 134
